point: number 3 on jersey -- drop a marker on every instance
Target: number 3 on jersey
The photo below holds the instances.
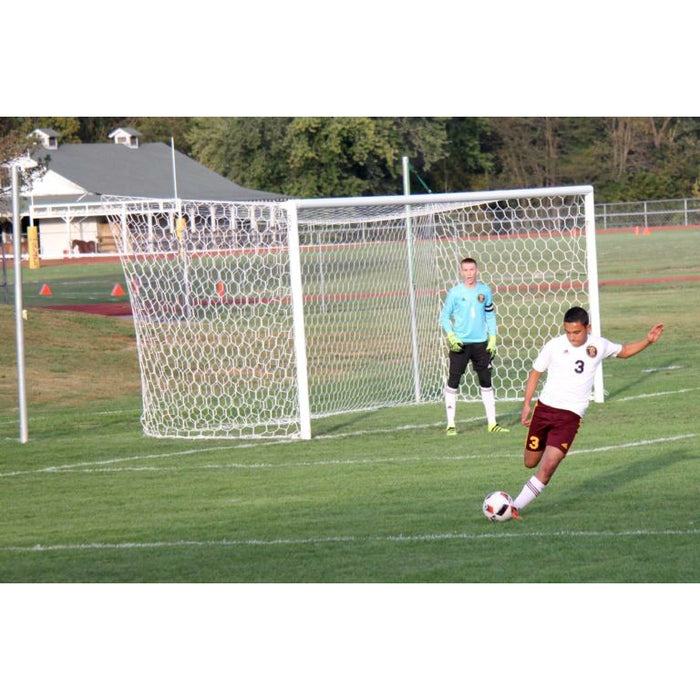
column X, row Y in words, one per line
column 578, row 366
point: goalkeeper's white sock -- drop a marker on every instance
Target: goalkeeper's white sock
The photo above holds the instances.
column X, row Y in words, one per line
column 489, row 398
column 532, row 489
column 450, row 404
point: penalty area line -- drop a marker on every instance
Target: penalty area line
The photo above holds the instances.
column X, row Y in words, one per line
column 273, row 442
column 112, row 466
column 651, row 370
column 658, row 393
column 350, row 539
column 638, row 443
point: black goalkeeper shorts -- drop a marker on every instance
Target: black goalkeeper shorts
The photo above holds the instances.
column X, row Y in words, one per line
column 481, row 362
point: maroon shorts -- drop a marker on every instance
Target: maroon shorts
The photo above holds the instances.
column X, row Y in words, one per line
column 552, row 426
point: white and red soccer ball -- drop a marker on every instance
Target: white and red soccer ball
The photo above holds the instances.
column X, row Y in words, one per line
column 498, row 506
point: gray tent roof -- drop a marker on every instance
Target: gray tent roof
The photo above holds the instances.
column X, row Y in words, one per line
column 146, row 171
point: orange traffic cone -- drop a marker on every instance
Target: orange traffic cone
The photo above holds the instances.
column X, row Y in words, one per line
column 45, row 291
column 117, row 291
column 220, row 288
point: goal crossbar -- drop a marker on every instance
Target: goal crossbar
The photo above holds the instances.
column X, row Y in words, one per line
column 480, row 197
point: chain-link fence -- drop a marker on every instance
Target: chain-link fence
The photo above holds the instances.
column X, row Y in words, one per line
column 660, row 212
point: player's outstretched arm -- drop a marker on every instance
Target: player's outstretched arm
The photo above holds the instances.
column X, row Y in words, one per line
column 630, row 349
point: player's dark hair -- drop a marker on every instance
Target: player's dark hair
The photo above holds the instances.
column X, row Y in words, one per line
column 468, row 260
column 576, row 314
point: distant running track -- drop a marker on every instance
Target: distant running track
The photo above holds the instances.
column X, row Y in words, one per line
column 123, row 308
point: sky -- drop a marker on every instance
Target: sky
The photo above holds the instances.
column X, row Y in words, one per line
column 369, row 58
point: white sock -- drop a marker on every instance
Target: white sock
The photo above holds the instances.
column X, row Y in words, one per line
column 450, row 404
column 489, row 398
column 532, row 489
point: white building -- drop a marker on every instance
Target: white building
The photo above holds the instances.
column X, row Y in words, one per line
column 79, row 174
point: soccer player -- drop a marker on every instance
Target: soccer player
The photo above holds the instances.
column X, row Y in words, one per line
column 570, row 361
column 469, row 320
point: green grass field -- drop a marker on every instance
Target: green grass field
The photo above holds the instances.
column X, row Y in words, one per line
column 374, row 497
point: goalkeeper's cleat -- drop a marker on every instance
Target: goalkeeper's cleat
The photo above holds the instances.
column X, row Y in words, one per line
column 451, row 430
column 496, row 428
column 515, row 513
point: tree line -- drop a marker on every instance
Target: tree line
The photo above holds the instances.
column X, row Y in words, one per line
column 624, row 158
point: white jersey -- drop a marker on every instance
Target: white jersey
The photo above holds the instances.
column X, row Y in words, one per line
column 571, row 370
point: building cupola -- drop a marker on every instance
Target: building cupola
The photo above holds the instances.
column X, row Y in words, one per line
column 126, row 136
column 48, row 137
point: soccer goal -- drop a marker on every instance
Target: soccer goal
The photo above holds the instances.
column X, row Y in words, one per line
column 252, row 319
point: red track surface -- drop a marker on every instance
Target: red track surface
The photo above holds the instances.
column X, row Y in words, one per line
column 113, row 308
column 123, row 308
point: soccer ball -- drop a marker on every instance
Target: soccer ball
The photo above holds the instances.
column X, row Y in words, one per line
column 498, row 506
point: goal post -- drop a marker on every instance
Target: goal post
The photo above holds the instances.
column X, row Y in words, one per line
column 254, row 318
column 593, row 296
column 296, row 284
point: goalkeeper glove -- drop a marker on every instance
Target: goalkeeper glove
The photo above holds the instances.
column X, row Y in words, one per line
column 453, row 343
column 491, row 346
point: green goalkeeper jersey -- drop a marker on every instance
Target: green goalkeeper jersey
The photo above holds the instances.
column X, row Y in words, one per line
column 469, row 313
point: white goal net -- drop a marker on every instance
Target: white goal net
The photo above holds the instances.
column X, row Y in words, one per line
column 253, row 318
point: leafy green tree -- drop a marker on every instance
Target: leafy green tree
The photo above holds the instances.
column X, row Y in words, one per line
column 334, row 156
column 68, row 127
column 98, row 129
column 648, row 158
column 331, row 156
column 581, row 157
column 163, row 129
column 15, row 141
column 317, row 156
column 624, row 158
column 12, row 138
column 528, row 150
column 469, row 160
column 423, row 139
column 251, row 151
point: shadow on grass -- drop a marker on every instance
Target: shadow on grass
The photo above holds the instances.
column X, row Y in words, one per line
column 610, row 480
column 643, row 377
column 352, row 419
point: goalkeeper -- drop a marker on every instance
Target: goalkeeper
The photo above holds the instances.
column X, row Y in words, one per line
column 469, row 320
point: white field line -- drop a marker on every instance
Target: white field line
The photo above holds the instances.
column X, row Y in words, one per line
column 119, row 412
column 234, row 446
column 659, row 393
column 638, row 443
column 275, row 441
column 103, row 465
column 437, row 537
